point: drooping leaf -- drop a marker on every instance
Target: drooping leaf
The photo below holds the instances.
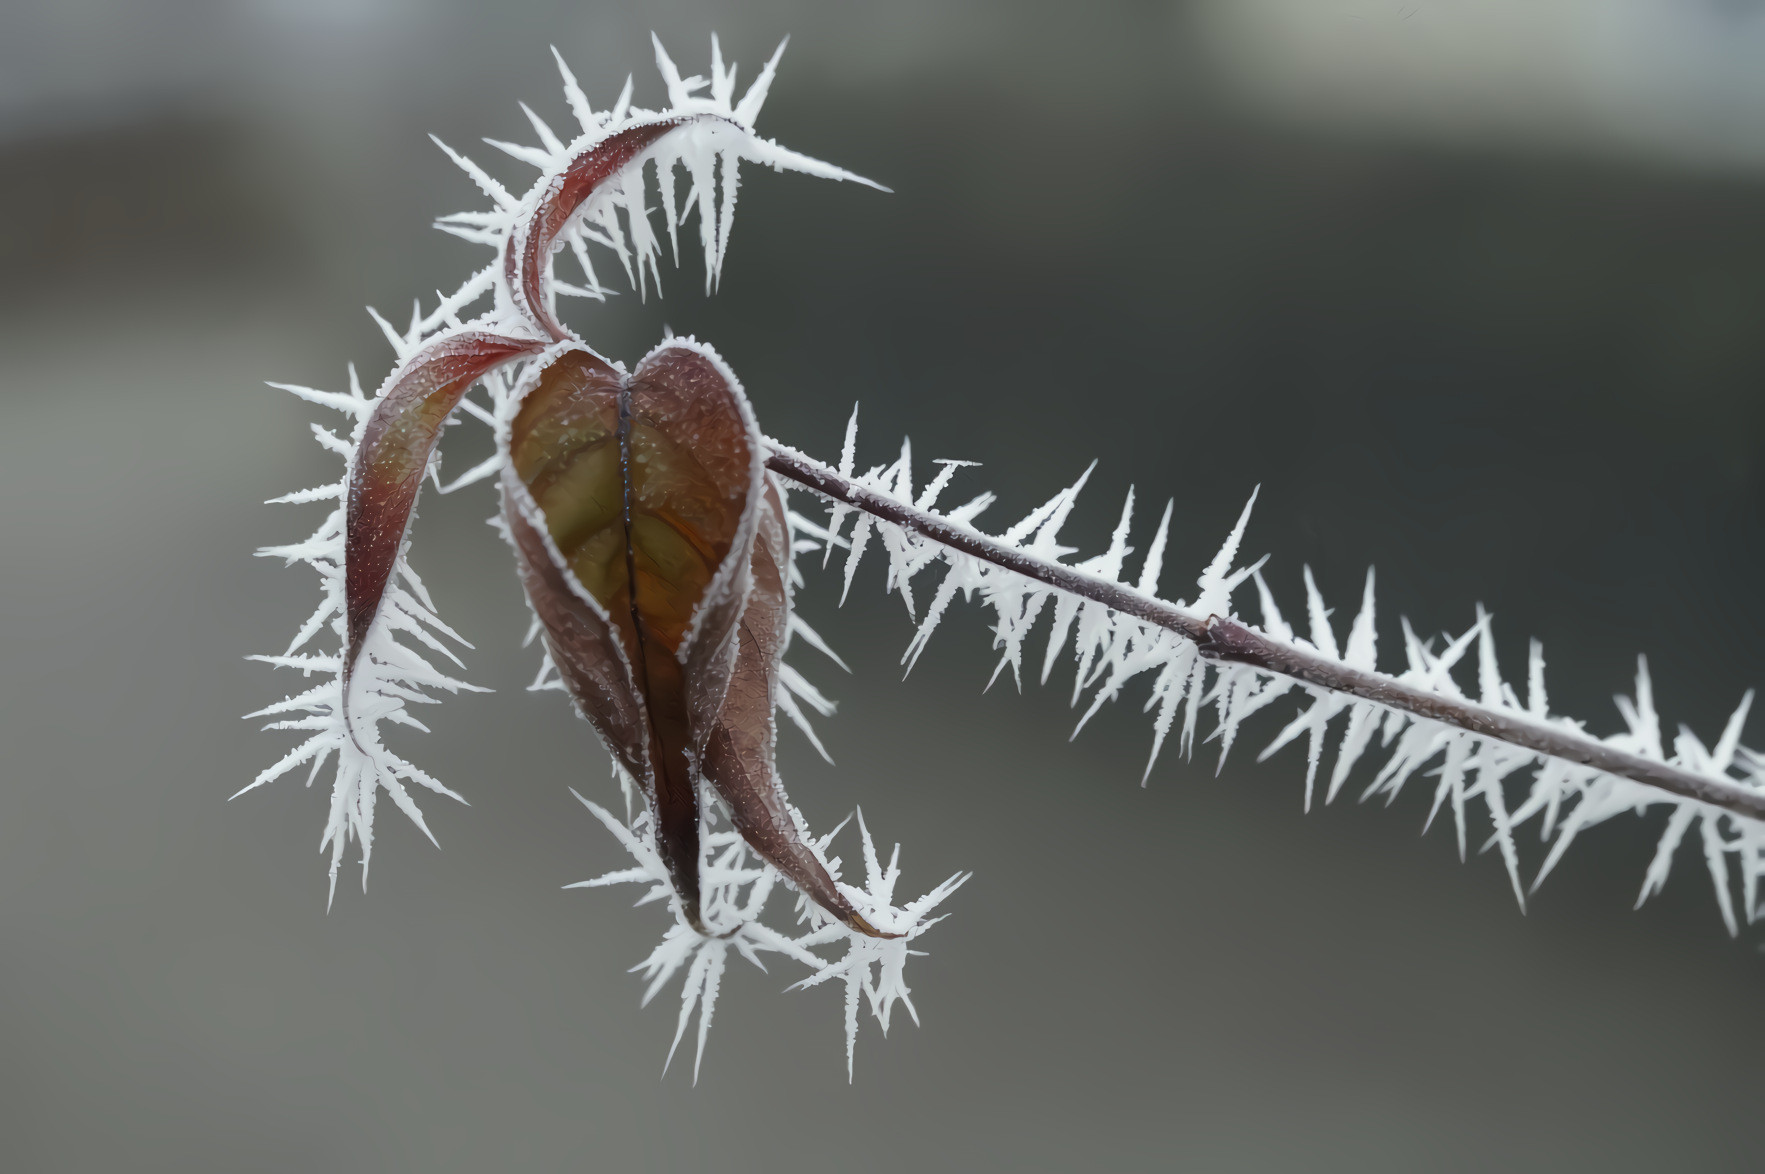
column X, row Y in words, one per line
column 739, row 758
column 396, row 443
column 527, row 263
column 655, row 552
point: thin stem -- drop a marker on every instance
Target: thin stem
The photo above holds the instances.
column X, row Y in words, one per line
column 1226, row 640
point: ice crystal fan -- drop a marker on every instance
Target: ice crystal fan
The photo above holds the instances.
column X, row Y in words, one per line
column 649, row 518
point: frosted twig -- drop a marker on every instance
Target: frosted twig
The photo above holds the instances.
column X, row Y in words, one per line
column 1221, row 639
column 1199, row 654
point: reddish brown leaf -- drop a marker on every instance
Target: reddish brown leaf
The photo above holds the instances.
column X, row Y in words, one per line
column 563, row 491
column 739, row 757
column 526, row 263
column 393, row 454
column 634, row 504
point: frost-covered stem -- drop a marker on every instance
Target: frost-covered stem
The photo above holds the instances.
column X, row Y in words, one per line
column 807, row 471
column 1230, row 640
column 1224, row 639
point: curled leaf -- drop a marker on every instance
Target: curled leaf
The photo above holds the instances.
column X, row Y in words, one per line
column 392, row 454
column 527, row 261
column 654, row 551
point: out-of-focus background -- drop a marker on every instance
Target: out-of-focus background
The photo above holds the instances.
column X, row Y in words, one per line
column 1473, row 291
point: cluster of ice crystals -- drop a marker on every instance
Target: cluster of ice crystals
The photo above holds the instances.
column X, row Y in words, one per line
column 391, row 674
column 708, row 151
column 734, row 888
column 1510, row 784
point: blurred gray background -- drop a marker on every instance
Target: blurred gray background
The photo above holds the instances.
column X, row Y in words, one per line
column 1472, row 290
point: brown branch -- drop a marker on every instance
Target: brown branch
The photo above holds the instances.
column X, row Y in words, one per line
column 1227, row 640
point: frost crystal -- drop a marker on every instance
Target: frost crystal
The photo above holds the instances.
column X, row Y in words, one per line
column 391, row 676
column 715, row 136
column 736, row 886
